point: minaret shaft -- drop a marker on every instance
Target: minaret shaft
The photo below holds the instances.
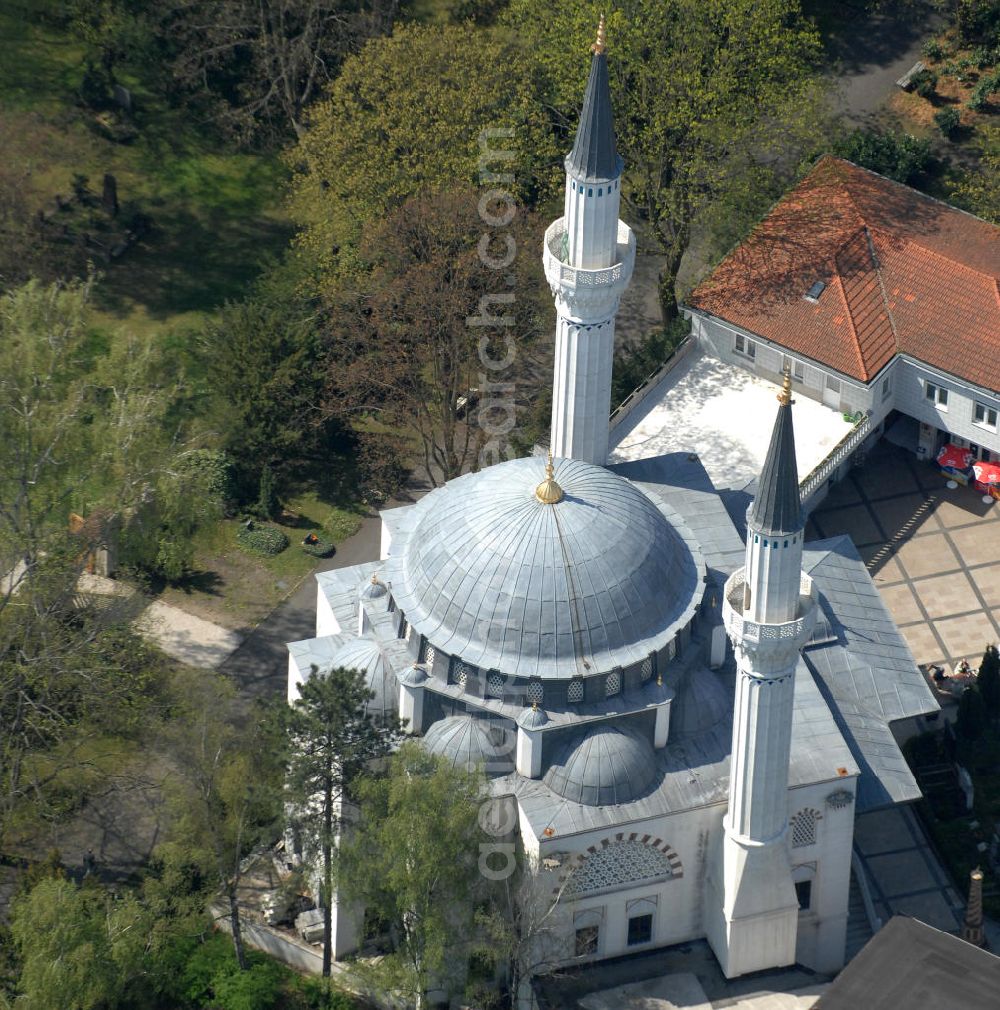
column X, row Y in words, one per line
column 769, row 609
column 588, row 255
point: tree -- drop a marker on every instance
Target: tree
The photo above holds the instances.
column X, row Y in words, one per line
column 523, row 926
column 898, row 156
column 264, row 62
column 971, row 720
column 267, row 366
column 227, row 793
column 427, row 108
column 80, row 947
column 988, row 681
column 403, row 349
column 978, row 190
column 413, row 861
column 331, row 741
column 715, row 103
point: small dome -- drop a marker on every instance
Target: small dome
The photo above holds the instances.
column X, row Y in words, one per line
column 372, row 589
column 605, row 765
column 364, row 654
column 412, row 675
column 465, row 742
column 532, row 718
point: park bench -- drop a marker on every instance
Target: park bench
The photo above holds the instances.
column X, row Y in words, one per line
column 906, row 81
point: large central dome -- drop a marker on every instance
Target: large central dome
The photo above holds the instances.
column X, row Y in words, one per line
column 493, row 575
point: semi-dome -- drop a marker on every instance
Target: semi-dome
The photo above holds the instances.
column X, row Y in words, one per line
column 605, row 765
column 491, row 573
column 365, row 655
column 465, row 742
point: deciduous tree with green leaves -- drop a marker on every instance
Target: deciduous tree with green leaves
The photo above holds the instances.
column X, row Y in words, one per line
column 427, row 108
column 715, row 102
column 413, row 861
column 978, row 190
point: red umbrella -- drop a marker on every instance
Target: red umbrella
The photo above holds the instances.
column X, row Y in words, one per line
column 954, row 457
column 987, row 473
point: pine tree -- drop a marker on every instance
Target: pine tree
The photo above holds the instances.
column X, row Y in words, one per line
column 971, row 721
column 989, row 680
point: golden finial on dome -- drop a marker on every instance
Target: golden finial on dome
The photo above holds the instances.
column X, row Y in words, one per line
column 549, row 492
column 598, row 47
column 785, row 396
column 375, row 581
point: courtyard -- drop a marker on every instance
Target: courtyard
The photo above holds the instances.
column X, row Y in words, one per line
column 932, row 551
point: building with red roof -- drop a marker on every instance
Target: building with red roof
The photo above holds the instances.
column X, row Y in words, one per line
column 878, row 297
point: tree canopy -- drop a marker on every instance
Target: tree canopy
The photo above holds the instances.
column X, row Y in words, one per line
column 714, row 101
column 425, row 109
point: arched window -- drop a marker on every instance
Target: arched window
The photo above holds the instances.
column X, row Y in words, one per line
column 495, row 682
column 535, row 692
column 574, row 692
column 621, row 864
column 613, row 684
column 803, row 826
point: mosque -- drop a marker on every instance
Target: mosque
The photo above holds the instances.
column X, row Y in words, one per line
column 684, row 715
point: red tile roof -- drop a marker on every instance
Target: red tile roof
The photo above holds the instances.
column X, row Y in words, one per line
column 904, row 273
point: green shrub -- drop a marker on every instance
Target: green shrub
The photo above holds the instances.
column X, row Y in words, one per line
column 925, row 83
column 932, row 49
column 898, row 156
column 948, row 121
column 341, row 524
column 267, row 495
column 264, row 541
column 321, row 549
column 212, row 474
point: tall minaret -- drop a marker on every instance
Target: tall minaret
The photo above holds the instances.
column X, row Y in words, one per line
column 588, row 256
column 769, row 609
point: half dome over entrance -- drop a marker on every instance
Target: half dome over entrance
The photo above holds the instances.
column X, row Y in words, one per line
column 492, row 574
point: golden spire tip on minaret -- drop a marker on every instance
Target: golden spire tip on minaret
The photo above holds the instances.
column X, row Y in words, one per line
column 598, row 47
column 549, row 492
column 785, row 396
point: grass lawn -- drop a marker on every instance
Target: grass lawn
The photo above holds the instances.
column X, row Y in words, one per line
column 217, row 215
column 238, row 590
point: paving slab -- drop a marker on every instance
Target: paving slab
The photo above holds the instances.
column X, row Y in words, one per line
column 945, row 595
column 668, row 992
column 931, row 908
column 927, row 555
column 923, row 643
column 977, row 544
column 188, row 638
column 881, row 831
column 902, row 603
column 966, row 637
column 987, row 580
column 900, row 873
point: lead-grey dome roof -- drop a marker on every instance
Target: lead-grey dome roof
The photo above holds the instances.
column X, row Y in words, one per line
column 365, row 655
column 492, row 575
column 605, row 765
column 465, row 742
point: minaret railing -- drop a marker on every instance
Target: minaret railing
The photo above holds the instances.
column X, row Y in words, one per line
column 743, row 630
column 556, row 271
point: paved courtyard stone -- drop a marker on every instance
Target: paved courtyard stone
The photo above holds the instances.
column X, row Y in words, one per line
column 923, row 644
column 881, row 831
column 927, row 555
column 900, row 873
column 888, row 572
column 931, row 908
column 901, row 603
column 978, row 544
column 945, row 595
column 966, row 637
column 987, row 578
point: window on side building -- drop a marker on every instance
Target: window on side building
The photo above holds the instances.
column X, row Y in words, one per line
column 985, row 417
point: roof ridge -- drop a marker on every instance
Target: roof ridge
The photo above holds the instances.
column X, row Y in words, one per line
column 881, row 286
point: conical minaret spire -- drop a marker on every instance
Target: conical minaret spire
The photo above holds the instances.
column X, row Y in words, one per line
column 588, row 256
column 769, row 609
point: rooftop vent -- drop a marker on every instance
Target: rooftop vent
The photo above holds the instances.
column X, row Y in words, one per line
column 812, row 295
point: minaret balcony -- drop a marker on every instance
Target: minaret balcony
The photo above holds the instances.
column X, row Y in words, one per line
column 561, row 275
column 750, row 633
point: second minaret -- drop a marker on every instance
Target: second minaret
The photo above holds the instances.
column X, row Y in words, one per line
column 588, row 255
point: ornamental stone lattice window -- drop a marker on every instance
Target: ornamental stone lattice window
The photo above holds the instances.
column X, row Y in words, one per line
column 429, row 653
column 459, row 673
column 535, row 693
column 804, row 828
column 646, row 670
column 574, row 692
column 495, row 684
column 613, row 684
column 619, row 864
